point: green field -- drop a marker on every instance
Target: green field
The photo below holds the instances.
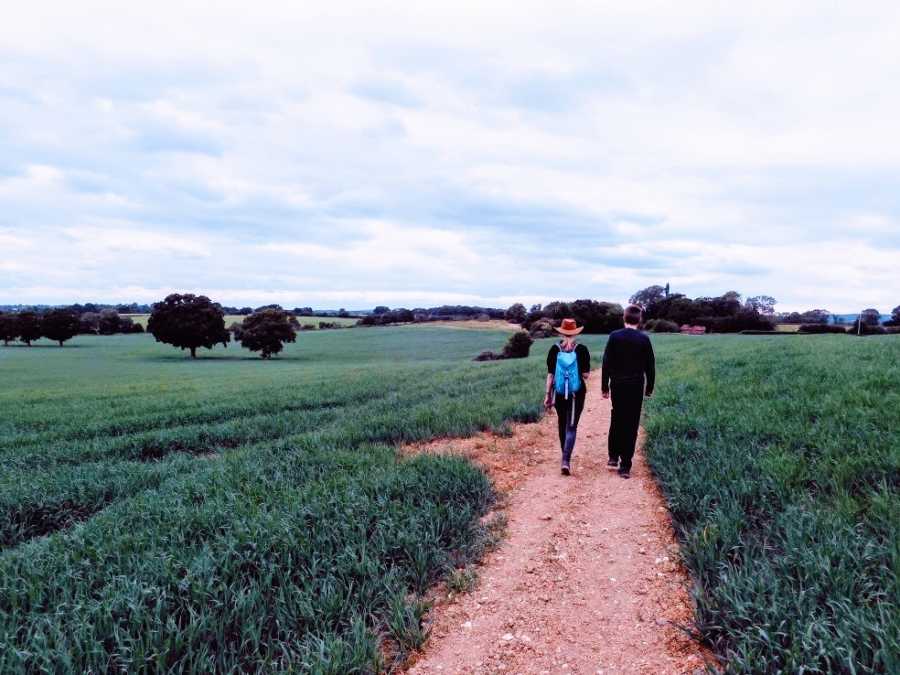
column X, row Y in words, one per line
column 781, row 462
column 232, row 514
column 237, row 318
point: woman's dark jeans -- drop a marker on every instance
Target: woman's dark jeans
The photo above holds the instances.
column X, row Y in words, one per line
column 567, row 426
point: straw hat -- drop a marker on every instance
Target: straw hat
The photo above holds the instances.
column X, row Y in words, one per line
column 569, row 327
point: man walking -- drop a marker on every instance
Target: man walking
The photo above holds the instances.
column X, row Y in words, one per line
column 629, row 368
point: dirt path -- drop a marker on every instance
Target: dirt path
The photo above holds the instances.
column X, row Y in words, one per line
column 587, row 579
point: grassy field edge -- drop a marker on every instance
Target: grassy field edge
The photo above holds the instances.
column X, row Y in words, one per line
column 781, row 465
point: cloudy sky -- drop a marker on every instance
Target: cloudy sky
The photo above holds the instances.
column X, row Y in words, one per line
column 347, row 154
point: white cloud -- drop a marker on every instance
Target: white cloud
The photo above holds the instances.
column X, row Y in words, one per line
column 421, row 153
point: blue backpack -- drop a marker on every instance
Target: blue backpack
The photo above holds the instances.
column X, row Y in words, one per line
column 567, row 379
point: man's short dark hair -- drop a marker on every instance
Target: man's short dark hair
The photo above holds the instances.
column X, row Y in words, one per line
column 633, row 315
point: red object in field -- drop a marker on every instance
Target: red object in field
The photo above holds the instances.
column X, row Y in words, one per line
column 693, row 330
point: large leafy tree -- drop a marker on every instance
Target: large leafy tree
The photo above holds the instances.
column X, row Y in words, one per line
column 188, row 321
column 648, row 296
column 764, row 304
column 266, row 331
column 29, row 327
column 60, row 325
column 895, row 316
column 871, row 317
column 9, row 328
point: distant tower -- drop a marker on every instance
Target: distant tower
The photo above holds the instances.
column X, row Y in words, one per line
column 667, row 289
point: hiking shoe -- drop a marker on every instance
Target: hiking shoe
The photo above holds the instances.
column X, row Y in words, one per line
column 565, row 469
column 625, row 474
column 613, row 463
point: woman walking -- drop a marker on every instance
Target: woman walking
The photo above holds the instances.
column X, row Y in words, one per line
column 568, row 368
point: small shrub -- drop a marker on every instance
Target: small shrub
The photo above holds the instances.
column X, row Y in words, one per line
column 404, row 622
column 496, row 529
column 518, row 346
column 742, row 321
column 462, row 580
column 815, row 328
column 867, row 329
column 662, row 326
column 542, row 329
column 777, row 333
column 487, row 355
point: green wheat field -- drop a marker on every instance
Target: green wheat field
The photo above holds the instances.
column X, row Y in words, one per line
column 230, row 514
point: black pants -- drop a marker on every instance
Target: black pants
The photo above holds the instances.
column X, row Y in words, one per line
column 568, row 422
column 627, row 399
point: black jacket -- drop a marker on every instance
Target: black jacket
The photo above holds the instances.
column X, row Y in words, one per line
column 628, row 356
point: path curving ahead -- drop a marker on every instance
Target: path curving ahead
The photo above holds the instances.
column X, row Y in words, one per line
column 587, row 579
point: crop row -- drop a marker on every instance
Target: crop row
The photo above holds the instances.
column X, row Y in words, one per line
column 76, row 420
column 44, row 491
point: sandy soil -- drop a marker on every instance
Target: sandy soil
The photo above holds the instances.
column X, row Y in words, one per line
column 586, row 581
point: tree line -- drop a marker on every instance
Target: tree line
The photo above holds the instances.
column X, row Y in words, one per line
column 663, row 313
column 383, row 315
column 185, row 321
column 666, row 312
column 62, row 324
column 190, row 321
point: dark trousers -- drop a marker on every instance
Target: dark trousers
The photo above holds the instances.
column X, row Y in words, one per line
column 568, row 412
column 627, row 399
